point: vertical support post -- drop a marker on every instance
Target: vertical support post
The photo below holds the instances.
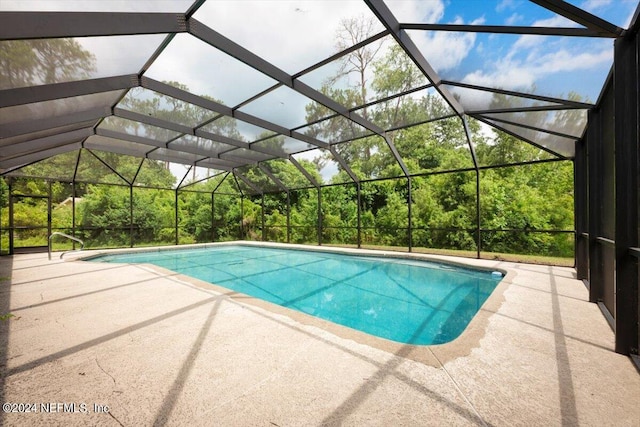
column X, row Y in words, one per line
column 264, row 231
column 288, row 216
column 242, row 217
column 319, row 216
column 11, row 223
column 627, row 142
column 359, row 201
column 176, row 219
column 594, row 142
column 49, row 194
column 213, row 217
column 478, row 217
column 73, row 200
column 131, row 215
column 73, row 212
column 409, row 220
column 581, row 219
column 1, row 178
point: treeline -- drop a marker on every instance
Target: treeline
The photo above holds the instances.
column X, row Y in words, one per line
column 123, row 201
column 113, row 213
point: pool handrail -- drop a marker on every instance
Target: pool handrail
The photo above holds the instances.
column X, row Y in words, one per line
column 58, row 233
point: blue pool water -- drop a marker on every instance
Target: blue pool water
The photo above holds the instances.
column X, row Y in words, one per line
column 403, row 300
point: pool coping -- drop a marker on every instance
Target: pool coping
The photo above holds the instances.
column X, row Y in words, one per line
column 434, row 355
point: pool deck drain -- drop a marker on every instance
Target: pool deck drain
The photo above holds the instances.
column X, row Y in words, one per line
column 156, row 349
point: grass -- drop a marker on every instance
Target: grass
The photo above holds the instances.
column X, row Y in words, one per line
column 523, row 258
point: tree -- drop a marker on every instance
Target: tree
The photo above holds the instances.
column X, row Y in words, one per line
column 34, row 62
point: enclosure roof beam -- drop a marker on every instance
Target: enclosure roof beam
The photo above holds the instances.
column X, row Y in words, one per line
column 241, row 161
column 566, row 102
column 246, row 181
column 582, row 17
column 41, row 144
column 108, row 133
column 342, row 53
column 344, row 164
column 534, row 128
column 109, row 166
column 200, row 101
column 207, row 178
column 381, row 10
column 535, row 144
column 262, row 150
column 472, row 150
column 48, row 92
column 29, row 126
column 153, row 121
column 273, row 177
column 233, row 49
column 185, row 96
column 304, row 172
column 215, row 163
column 523, row 109
column 21, row 161
column 220, row 138
column 508, row 29
column 48, row 25
column 396, row 155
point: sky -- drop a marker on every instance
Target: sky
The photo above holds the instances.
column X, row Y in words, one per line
column 294, row 35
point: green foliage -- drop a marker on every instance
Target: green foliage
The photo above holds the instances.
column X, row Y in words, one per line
column 31, row 62
column 4, row 193
column 442, row 203
column 6, row 316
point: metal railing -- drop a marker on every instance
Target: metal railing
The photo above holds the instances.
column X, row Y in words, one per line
column 57, row 233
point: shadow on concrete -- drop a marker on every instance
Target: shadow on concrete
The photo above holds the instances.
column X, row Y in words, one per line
column 384, row 370
column 171, row 398
column 524, row 322
column 6, row 268
column 96, row 341
column 91, row 293
column 358, row 397
column 110, row 268
column 568, row 409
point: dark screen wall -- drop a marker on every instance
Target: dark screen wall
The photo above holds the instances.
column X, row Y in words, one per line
column 607, row 183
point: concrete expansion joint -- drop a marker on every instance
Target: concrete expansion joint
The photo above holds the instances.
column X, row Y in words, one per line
column 457, row 387
column 102, row 369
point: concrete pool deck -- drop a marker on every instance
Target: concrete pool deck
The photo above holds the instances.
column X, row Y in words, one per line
column 158, row 348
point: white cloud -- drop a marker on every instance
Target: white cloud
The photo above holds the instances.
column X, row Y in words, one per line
column 505, row 5
column 515, row 74
column 592, row 5
column 170, row 6
column 514, row 19
column 207, row 71
column 563, row 60
column 446, row 50
column 528, row 41
column 412, row 11
column 291, row 34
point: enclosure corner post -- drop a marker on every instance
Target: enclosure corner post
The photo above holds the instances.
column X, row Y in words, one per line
column 264, row 230
column 49, row 214
column 359, row 211
column 288, row 216
column 409, row 222
column 131, row 215
column 11, row 224
column 176, row 219
column 213, row 217
column 478, row 218
column 319, row 216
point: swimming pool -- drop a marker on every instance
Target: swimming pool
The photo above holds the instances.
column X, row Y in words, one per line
column 404, row 300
